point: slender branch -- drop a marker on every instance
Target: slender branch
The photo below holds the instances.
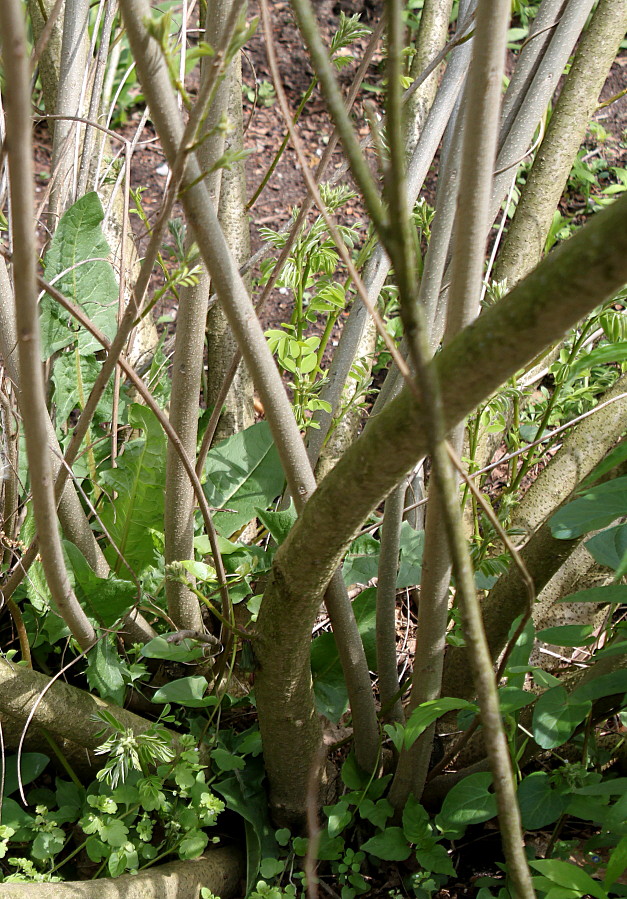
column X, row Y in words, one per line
column 32, row 391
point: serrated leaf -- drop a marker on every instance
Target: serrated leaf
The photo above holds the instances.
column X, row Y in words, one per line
column 104, row 671
column 90, row 284
column 243, row 473
column 70, row 393
column 139, row 480
column 106, row 599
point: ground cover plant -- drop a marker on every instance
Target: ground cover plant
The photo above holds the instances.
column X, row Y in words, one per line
column 307, row 609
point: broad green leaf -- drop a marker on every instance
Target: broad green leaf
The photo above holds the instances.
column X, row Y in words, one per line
column 71, row 391
column 468, row 802
column 159, row 648
column 519, row 657
column 603, row 355
column 227, row 761
column 362, row 561
column 14, row 816
column 90, row 284
column 567, row 635
column 435, row 859
column 245, row 795
column 105, row 599
column 187, row 691
column 539, row 803
column 512, row 699
column 242, row 473
column 104, row 671
column 278, row 523
column 47, row 844
column 389, row 845
column 377, row 813
column 352, row 775
column 606, row 685
column 611, row 593
column 339, row 816
column 193, row 844
column 609, row 547
column 114, row 832
column 136, row 513
column 616, row 864
column 598, row 508
column 328, row 677
column 410, row 563
column 31, row 766
column 415, row 821
column 569, row 876
column 422, row 717
column 556, row 716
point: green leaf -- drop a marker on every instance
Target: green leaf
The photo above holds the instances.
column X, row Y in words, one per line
column 436, row 860
column 139, row 480
column 422, row 717
column 14, row 816
column 47, row 844
column 328, row 678
column 90, row 284
column 104, row 671
column 569, row 876
column 278, row 523
column 32, row 764
column 187, row 691
column 114, row 832
column 410, row 560
column 243, row 473
column 227, row 761
column 611, row 593
column 245, row 794
column 609, row 547
column 468, row 802
column 598, row 508
column 567, row 635
column 352, row 775
column 193, row 844
column 556, row 716
column 377, row 813
column 105, row 599
column 539, row 803
column 605, row 685
column 339, row 816
column 603, row 355
column 390, row 845
column 415, row 821
column 513, row 698
column 159, row 648
column 70, row 393
column 616, row 864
